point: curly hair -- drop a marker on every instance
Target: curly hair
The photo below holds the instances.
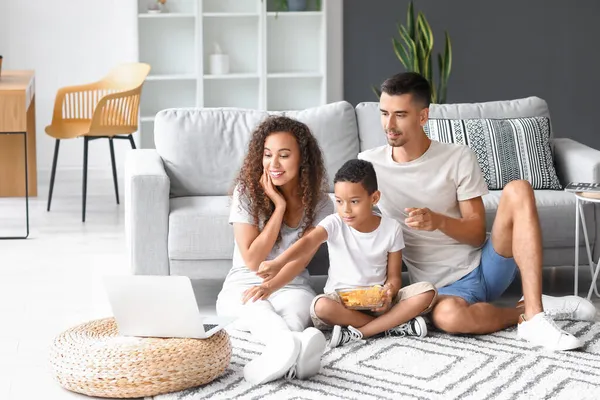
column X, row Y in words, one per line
column 311, row 175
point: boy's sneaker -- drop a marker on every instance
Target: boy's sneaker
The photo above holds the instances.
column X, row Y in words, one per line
column 541, row 330
column 566, row 307
column 415, row 327
column 341, row 336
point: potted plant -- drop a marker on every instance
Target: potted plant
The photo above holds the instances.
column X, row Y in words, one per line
column 295, row 5
column 415, row 53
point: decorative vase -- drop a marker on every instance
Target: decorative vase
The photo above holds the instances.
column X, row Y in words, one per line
column 219, row 62
column 156, row 7
column 297, row 5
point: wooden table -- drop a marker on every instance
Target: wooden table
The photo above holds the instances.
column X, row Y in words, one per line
column 18, row 177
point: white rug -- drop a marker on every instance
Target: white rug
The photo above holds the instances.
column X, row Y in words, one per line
column 440, row 366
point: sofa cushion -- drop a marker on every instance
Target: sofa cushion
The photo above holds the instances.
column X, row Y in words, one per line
column 556, row 210
column 203, row 149
column 371, row 132
column 506, row 149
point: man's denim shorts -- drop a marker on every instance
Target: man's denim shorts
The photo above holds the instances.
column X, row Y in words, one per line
column 488, row 281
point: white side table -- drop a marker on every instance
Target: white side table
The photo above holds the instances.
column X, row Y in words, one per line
column 581, row 199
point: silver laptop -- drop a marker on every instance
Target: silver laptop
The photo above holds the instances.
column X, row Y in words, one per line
column 159, row 306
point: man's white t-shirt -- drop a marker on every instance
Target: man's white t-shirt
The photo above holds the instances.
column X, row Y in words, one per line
column 444, row 175
column 357, row 258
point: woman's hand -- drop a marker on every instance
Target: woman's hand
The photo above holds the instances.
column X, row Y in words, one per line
column 388, row 296
column 268, row 269
column 260, row 292
column 271, row 191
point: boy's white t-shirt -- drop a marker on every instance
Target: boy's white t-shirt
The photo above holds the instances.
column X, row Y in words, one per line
column 442, row 177
column 357, row 258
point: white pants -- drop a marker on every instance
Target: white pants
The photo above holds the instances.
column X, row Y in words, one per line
column 287, row 309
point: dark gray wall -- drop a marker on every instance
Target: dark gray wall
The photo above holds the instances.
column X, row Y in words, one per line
column 501, row 50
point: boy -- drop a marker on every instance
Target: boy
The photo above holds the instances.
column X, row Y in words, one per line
column 365, row 249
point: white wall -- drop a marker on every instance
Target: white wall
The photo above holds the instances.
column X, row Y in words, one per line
column 67, row 42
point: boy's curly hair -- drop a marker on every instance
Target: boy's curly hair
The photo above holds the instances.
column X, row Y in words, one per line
column 311, row 175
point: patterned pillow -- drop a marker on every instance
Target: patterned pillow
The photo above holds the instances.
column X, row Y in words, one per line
column 507, row 149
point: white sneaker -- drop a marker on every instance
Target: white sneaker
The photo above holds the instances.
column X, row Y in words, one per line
column 542, row 331
column 277, row 359
column 312, row 348
column 567, row 307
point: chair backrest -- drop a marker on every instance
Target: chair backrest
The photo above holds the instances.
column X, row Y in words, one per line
column 117, row 112
column 127, row 76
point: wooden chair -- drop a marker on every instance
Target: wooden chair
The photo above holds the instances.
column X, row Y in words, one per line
column 105, row 109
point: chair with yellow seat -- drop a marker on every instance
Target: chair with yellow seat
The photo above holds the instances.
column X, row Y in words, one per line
column 106, row 109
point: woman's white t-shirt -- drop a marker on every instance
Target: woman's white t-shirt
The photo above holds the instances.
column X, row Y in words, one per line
column 240, row 274
column 357, row 258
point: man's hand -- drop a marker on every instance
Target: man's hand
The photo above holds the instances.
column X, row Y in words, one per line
column 423, row 219
column 260, row 292
column 388, row 296
column 268, row 269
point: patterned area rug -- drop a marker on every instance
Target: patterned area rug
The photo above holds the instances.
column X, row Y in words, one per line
column 498, row 366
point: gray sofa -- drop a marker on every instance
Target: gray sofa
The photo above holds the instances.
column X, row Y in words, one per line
column 177, row 202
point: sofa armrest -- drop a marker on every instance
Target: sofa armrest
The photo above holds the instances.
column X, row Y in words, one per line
column 576, row 162
column 147, row 207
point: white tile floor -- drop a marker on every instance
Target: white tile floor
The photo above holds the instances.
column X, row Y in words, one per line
column 53, row 280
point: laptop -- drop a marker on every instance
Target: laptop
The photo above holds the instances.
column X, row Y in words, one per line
column 159, row 306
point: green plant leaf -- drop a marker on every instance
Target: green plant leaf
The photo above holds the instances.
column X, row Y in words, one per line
column 412, row 48
column 410, row 20
column 425, row 31
column 447, row 57
column 376, row 91
column 402, row 54
column 441, row 86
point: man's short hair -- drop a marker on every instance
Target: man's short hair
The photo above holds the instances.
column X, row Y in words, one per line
column 358, row 171
column 409, row 83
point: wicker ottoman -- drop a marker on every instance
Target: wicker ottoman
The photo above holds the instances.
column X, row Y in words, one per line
column 94, row 360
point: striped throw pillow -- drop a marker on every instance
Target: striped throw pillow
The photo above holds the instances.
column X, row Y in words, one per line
column 507, row 149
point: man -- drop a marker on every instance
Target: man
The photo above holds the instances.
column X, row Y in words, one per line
column 434, row 190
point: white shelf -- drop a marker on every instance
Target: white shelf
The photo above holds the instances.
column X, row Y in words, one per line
column 237, row 37
column 278, row 60
column 232, row 6
column 168, row 45
column 232, row 76
column 167, row 15
column 294, row 45
column 241, row 93
column 171, row 77
column 285, row 75
column 285, row 14
column 229, row 15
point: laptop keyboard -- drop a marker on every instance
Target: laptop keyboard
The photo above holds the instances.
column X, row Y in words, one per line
column 208, row 327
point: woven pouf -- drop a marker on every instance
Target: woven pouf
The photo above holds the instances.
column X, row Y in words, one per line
column 94, row 360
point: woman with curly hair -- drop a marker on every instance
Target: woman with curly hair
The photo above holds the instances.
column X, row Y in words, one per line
column 279, row 196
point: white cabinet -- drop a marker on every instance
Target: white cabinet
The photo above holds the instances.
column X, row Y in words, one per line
column 278, row 60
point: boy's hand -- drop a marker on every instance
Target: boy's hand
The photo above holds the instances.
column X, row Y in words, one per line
column 387, row 300
column 260, row 292
column 268, row 269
